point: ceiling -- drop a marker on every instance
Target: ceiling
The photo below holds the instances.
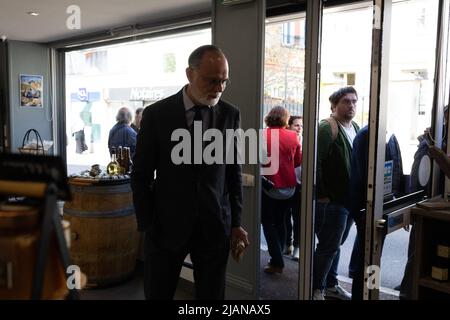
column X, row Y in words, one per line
column 50, row 24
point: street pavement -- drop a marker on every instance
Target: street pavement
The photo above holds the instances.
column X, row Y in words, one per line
column 393, row 259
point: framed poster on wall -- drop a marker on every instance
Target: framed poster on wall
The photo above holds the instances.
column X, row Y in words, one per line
column 31, row 89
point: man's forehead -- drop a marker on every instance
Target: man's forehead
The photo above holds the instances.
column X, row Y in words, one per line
column 349, row 96
column 212, row 58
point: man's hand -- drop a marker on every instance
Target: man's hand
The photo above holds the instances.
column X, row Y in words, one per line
column 239, row 234
column 239, row 241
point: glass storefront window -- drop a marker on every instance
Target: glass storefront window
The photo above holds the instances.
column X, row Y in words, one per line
column 101, row 80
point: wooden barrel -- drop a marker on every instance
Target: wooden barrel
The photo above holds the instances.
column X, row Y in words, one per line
column 104, row 236
column 19, row 237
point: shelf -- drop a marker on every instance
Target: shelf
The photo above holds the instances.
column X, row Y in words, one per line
column 442, row 215
column 443, row 286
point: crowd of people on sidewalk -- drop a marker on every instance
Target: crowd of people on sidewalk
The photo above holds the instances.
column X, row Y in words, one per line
column 341, row 184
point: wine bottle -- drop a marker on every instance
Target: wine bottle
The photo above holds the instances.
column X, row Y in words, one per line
column 127, row 160
column 113, row 167
column 119, row 156
column 121, row 159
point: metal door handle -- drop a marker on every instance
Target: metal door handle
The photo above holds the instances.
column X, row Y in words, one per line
column 380, row 223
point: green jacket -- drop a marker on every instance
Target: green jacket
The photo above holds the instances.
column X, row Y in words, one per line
column 333, row 163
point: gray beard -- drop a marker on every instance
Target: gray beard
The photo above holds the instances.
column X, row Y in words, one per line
column 209, row 102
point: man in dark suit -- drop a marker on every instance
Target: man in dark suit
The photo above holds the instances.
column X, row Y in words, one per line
column 188, row 208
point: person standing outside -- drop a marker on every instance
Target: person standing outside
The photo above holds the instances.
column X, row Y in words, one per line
column 136, row 125
column 121, row 133
column 295, row 123
column 188, row 208
column 276, row 201
column 332, row 219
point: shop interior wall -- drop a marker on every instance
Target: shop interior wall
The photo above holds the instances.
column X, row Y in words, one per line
column 32, row 59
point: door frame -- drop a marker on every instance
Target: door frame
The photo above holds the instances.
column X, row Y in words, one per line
column 5, row 123
column 313, row 38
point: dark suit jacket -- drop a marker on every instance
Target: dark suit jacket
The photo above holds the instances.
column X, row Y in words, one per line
column 169, row 206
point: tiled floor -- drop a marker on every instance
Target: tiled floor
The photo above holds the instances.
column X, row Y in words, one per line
column 133, row 289
column 273, row 287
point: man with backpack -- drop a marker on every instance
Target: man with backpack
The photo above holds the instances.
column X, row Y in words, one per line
column 332, row 219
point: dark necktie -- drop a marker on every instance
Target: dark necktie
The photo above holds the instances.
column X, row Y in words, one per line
column 197, row 114
column 197, row 117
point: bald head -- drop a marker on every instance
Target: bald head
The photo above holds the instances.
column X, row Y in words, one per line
column 195, row 58
column 207, row 74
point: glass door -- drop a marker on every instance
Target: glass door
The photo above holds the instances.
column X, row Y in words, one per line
column 402, row 125
column 362, row 45
column 284, row 70
column 101, row 80
column 345, row 66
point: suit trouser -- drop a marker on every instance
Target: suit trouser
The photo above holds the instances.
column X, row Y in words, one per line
column 163, row 267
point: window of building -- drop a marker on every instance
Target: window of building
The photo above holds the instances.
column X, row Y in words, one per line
column 170, row 64
column 289, row 33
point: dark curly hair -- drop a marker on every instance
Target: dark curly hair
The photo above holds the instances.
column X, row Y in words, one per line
column 337, row 95
column 292, row 119
column 277, row 117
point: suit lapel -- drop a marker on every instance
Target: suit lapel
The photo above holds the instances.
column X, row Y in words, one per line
column 178, row 113
column 174, row 111
column 217, row 120
column 217, row 117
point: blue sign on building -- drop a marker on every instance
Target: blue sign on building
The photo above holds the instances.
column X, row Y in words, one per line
column 84, row 96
